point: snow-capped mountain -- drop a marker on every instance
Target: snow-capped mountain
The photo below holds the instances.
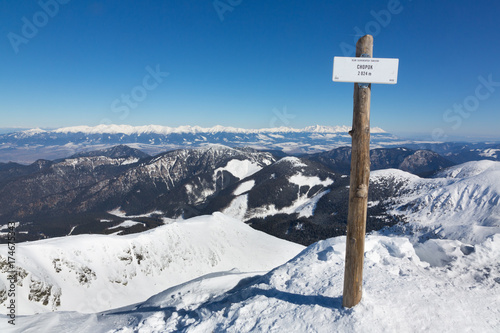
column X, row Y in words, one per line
column 30, row 145
column 74, row 194
column 461, row 202
column 436, row 270
column 90, row 273
column 292, row 198
column 460, row 152
column 300, row 199
column 157, row 129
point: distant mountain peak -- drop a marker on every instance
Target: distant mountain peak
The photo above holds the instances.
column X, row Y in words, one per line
column 158, row 129
column 30, row 145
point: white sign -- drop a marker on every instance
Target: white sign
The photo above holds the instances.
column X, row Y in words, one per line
column 365, row 70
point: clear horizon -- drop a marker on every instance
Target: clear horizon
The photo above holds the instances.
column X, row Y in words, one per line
column 248, row 64
column 408, row 135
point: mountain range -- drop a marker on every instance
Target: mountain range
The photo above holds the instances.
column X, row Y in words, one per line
column 27, row 146
column 173, row 241
column 30, row 145
column 298, row 198
column 435, row 270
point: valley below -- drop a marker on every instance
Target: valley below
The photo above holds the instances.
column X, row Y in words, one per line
column 227, row 238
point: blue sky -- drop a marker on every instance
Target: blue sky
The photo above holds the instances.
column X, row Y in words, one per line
column 249, row 64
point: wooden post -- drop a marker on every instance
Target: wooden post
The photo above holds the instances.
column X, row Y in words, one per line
column 358, row 192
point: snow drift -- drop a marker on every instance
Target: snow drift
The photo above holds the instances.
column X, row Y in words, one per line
column 402, row 293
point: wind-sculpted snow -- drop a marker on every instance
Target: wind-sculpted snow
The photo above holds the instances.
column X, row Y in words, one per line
column 401, row 293
column 93, row 273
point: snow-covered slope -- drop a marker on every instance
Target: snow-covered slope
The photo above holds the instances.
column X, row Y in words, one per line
column 48, row 199
column 438, row 272
column 462, row 202
column 289, row 186
column 402, row 293
column 90, row 273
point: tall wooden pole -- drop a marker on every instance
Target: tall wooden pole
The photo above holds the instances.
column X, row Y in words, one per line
column 358, row 192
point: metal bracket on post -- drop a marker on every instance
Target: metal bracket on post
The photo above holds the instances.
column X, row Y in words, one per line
column 364, row 85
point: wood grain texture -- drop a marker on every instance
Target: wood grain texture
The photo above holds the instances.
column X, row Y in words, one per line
column 358, row 192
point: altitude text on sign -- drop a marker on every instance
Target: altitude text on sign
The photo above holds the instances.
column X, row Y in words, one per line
column 365, row 70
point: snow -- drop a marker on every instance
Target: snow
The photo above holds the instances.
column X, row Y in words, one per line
column 238, row 207
column 244, row 187
column 118, row 212
column 71, row 231
column 393, row 174
column 126, row 224
column 307, row 209
column 303, row 205
column 90, row 273
column 446, row 283
column 462, row 203
column 165, row 130
column 294, row 161
column 301, row 180
column 130, row 161
column 33, row 131
column 401, row 293
column 490, row 153
column 240, row 168
column 469, row 169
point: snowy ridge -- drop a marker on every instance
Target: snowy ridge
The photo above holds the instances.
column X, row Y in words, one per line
column 28, row 146
column 401, row 293
column 462, row 202
column 240, row 169
column 469, row 169
column 157, row 129
column 292, row 160
column 90, row 273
